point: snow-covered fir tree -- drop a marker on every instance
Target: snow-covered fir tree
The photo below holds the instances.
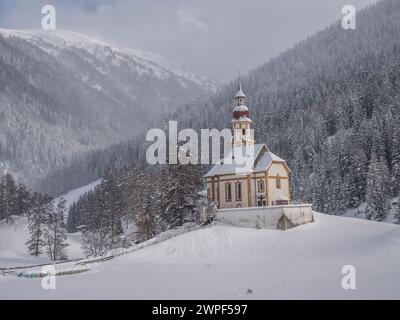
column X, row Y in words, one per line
column 95, row 240
column 146, row 221
column 15, row 198
column 73, row 218
column 38, row 215
column 377, row 208
column 395, row 160
column 180, row 193
column 111, row 207
column 396, row 208
column 100, row 213
column 9, row 198
column 55, row 237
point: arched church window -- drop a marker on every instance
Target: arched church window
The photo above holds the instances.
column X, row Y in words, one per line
column 238, row 191
column 278, row 181
column 244, row 131
column 228, row 192
column 261, row 185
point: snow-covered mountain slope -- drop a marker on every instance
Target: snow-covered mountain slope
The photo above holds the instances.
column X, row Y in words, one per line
column 223, row 262
column 62, row 93
column 147, row 62
column 74, row 195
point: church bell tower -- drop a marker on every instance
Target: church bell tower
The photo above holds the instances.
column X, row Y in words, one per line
column 241, row 122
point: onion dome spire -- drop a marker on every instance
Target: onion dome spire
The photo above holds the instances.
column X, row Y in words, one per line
column 240, row 94
column 240, row 110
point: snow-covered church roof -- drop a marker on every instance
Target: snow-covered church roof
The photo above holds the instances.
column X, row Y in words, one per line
column 242, row 119
column 243, row 160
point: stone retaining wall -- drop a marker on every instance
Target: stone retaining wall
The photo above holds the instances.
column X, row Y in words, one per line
column 274, row 217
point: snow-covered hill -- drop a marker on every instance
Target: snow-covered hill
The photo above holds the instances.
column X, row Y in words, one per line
column 62, row 93
column 223, row 262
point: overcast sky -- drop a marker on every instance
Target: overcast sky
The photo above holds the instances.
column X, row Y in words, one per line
column 214, row 38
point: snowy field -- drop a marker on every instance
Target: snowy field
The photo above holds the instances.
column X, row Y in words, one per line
column 223, row 262
column 13, row 251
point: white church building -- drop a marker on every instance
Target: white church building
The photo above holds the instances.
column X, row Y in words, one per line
column 259, row 179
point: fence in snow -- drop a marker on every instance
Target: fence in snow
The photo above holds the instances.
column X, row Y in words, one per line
column 59, row 273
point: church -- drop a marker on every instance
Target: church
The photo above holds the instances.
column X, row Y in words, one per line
column 263, row 180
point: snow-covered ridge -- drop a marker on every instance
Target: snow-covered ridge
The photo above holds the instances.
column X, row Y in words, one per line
column 158, row 65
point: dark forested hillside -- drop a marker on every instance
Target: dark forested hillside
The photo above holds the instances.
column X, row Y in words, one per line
column 330, row 106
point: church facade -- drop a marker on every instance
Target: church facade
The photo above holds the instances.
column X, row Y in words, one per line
column 262, row 180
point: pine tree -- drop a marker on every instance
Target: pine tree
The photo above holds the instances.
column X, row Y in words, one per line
column 96, row 237
column 376, row 189
column 180, row 192
column 318, row 183
column 38, row 213
column 101, row 214
column 23, row 200
column 395, row 162
column 355, row 179
column 397, row 212
column 2, row 201
column 55, row 235
column 77, row 213
column 14, row 199
column 146, row 221
column 111, row 207
column 128, row 181
column 72, row 218
column 9, row 197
